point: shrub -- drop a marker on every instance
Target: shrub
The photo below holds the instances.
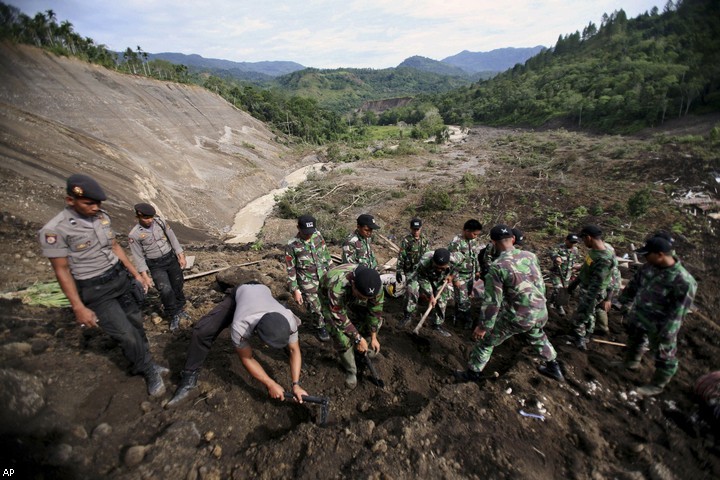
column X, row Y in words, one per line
column 639, row 203
column 436, row 200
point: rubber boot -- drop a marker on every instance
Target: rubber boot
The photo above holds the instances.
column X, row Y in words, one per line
column 657, row 384
column 188, row 382
column 632, row 360
column 468, row 375
column 153, row 378
column 405, row 320
column 601, row 322
column 175, row 322
column 347, row 360
column 552, row 370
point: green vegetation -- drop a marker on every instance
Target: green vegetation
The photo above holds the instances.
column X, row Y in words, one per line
column 41, row 294
column 639, row 203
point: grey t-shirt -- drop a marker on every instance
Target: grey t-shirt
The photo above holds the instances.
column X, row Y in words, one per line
column 254, row 301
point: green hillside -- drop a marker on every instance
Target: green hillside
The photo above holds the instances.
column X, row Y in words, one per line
column 621, row 76
column 344, row 90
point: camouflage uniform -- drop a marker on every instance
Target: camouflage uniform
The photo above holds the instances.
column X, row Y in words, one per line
column 661, row 297
column 307, row 262
column 358, row 250
column 514, row 303
column 411, row 251
column 486, row 257
column 337, row 298
column 466, row 267
column 427, row 279
column 613, row 289
column 593, row 278
column 560, row 275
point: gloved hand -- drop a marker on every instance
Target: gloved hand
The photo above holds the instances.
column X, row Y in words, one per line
column 399, row 277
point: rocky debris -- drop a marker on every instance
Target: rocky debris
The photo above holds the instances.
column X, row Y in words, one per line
column 21, row 397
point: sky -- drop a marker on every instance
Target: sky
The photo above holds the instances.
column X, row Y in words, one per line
column 329, row 33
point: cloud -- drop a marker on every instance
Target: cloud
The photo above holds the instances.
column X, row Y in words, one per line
column 329, row 33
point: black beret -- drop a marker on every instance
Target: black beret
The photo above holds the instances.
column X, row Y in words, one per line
column 145, row 209
column 79, row 185
column 274, row 329
column 519, row 237
column 590, row 231
column 441, row 256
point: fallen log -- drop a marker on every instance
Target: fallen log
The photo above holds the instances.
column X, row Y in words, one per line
column 215, row 270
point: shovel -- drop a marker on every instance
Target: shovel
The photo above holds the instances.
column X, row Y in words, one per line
column 562, row 297
column 322, row 401
column 429, row 309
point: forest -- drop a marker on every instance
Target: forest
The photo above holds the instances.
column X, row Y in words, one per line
column 618, row 77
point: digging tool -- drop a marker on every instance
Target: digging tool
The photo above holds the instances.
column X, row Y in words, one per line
column 393, row 247
column 322, row 401
column 374, row 376
column 608, row 342
column 429, row 309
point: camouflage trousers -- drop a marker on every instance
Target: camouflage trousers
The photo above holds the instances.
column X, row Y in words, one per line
column 412, row 296
column 311, row 298
column 356, row 312
column 584, row 319
column 660, row 337
column 463, row 286
column 504, row 329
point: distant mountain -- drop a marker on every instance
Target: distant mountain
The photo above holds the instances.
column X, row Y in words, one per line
column 433, row 66
column 497, row 60
column 270, row 68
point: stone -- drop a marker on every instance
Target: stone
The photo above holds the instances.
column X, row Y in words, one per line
column 102, row 430
column 16, row 349
column 21, row 397
column 135, row 455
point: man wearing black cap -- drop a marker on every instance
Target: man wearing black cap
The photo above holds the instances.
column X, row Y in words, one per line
column 307, row 261
column 249, row 308
column 156, row 249
column 359, row 288
column 93, row 272
column 465, row 249
column 514, row 303
column 434, row 269
column 660, row 295
column 565, row 260
column 412, row 248
column 357, row 248
column 594, row 279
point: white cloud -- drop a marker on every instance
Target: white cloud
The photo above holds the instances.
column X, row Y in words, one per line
column 329, row 33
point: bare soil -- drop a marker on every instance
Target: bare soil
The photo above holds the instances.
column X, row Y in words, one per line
column 92, row 420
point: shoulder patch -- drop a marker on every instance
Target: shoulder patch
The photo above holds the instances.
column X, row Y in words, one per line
column 51, row 238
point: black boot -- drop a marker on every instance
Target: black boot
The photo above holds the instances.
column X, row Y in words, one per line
column 153, row 378
column 552, row 370
column 188, row 382
column 467, row 375
column 405, row 320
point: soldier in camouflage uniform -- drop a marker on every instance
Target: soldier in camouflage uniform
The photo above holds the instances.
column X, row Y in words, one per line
column 593, row 279
column 514, row 303
column 613, row 290
column 412, row 248
column 307, row 261
column 564, row 257
column 344, row 287
column 660, row 295
column 357, row 248
column 465, row 248
column 434, row 268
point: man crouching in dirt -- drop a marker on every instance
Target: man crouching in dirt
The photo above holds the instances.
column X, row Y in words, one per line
column 249, row 308
column 514, row 291
column 343, row 287
column 93, row 272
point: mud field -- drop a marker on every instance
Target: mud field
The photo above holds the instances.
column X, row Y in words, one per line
column 87, row 418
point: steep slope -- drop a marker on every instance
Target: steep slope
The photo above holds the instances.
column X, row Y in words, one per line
column 179, row 146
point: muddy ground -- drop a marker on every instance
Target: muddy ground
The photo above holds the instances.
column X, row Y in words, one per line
column 89, row 419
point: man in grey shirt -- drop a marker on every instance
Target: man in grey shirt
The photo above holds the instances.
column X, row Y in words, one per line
column 249, row 309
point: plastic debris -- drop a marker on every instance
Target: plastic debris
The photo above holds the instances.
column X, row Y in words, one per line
column 532, row 415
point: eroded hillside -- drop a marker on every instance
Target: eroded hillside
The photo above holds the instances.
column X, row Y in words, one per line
column 188, row 151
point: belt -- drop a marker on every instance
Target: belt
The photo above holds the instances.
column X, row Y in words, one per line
column 155, row 261
column 105, row 277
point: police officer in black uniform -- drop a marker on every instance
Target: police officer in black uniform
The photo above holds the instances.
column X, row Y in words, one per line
column 94, row 273
column 155, row 248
